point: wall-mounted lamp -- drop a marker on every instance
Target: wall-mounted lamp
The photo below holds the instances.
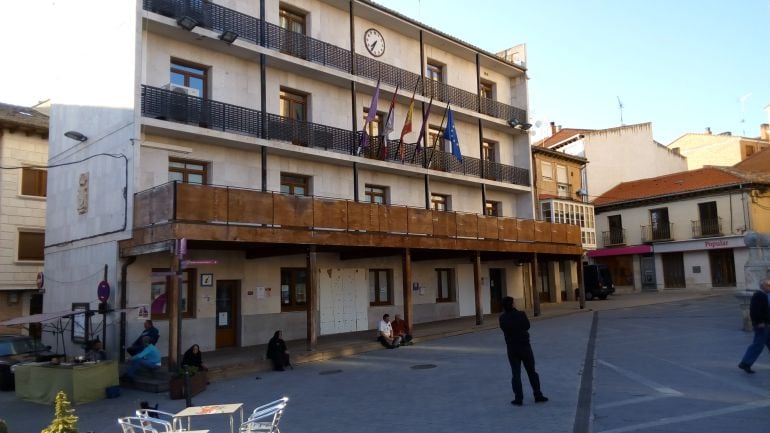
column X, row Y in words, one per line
column 187, row 22
column 517, row 124
column 75, row 136
column 228, row 36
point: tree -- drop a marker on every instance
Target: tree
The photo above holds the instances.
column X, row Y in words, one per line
column 64, row 420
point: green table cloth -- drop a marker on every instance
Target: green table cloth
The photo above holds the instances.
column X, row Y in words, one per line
column 83, row 383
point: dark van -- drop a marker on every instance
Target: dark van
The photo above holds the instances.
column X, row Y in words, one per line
column 597, row 281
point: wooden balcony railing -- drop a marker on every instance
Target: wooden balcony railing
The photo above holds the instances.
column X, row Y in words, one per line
column 707, row 227
column 222, row 205
column 657, row 232
column 178, row 107
column 219, row 18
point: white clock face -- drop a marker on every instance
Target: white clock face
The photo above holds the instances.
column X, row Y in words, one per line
column 374, row 42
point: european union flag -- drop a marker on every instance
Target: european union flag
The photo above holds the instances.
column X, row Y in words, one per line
column 450, row 134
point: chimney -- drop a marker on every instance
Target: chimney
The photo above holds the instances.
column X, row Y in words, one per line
column 764, row 132
column 553, row 128
column 708, row 130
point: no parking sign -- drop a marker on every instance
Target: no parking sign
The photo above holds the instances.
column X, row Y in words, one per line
column 103, row 291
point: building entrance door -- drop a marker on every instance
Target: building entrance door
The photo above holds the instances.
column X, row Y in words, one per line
column 648, row 273
column 496, row 289
column 228, row 310
column 673, row 270
column 722, row 268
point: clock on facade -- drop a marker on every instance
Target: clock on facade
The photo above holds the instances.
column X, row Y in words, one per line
column 374, row 42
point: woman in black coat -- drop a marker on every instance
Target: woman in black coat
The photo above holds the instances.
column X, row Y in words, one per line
column 193, row 358
column 278, row 353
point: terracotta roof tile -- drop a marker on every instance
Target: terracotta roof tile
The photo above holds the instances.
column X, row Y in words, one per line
column 685, row 181
column 15, row 115
column 758, row 162
column 563, row 134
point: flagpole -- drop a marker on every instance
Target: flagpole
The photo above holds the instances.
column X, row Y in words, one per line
column 391, row 113
column 425, row 116
column 401, row 146
column 441, row 132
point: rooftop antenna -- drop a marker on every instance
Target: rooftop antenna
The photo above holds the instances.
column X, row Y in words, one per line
column 620, row 107
column 742, row 100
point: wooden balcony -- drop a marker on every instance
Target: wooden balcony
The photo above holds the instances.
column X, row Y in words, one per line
column 235, row 215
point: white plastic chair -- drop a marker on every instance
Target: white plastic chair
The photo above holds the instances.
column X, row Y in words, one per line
column 265, row 418
column 176, row 423
column 135, row 424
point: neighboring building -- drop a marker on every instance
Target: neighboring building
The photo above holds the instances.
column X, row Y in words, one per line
column 720, row 149
column 560, row 198
column 615, row 155
column 683, row 230
column 23, row 156
column 229, row 137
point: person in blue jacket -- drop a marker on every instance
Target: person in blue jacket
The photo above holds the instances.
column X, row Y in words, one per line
column 149, row 331
column 759, row 311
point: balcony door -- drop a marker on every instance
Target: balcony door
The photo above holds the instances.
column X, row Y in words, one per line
column 659, row 224
column 709, row 221
column 616, row 229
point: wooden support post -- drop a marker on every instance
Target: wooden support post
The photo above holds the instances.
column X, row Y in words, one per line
column 581, row 286
column 407, row 283
column 312, row 298
column 477, row 287
column 173, row 302
column 536, row 287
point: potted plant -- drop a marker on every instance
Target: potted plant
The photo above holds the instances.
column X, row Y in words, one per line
column 196, row 380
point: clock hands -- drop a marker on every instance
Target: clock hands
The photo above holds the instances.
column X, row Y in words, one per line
column 371, row 47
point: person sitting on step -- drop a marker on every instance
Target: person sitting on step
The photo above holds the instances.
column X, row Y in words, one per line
column 385, row 333
column 148, row 358
column 401, row 329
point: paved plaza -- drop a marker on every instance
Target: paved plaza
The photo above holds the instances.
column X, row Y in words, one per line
column 667, row 367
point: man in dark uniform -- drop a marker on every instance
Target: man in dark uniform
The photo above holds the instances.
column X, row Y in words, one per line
column 515, row 326
column 759, row 310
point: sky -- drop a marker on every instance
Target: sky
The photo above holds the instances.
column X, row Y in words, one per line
column 683, row 65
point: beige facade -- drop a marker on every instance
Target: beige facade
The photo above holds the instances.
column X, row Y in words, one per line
column 23, row 144
column 721, row 150
column 256, row 161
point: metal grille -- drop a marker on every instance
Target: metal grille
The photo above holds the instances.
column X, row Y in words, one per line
column 304, row 47
column 389, row 74
column 178, row 107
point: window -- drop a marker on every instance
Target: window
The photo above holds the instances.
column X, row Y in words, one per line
column 659, row 224
column 487, row 89
column 376, row 194
column 293, row 289
column 445, row 291
column 709, row 218
column 189, row 75
column 434, row 71
column 293, row 105
column 295, row 184
column 547, row 170
column 489, row 151
column 159, row 297
column 373, row 127
column 545, row 211
column 31, row 244
column 750, row 150
column 187, row 171
column 439, row 202
column 292, row 20
column 380, row 287
column 33, row 182
column 435, row 135
column 492, row 208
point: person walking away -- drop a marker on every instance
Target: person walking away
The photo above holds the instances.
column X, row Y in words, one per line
column 515, row 327
column 759, row 311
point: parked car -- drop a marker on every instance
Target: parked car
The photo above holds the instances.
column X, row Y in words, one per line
column 16, row 349
column 597, row 281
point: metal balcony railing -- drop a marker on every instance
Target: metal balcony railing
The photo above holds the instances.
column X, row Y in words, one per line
column 219, row 18
column 614, row 237
column 657, row 232
column 707, row 227
column 178, row 107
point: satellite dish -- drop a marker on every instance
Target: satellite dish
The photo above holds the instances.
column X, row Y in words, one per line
column 538, row 123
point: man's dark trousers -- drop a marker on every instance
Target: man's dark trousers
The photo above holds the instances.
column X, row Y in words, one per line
column 522, row 354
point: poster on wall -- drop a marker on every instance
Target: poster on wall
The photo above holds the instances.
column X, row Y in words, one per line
column 260, row 293
column 222, row 319
column 143, row 312
column 80, row 322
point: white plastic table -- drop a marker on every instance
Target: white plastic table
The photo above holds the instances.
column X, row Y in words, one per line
column 212, row 409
